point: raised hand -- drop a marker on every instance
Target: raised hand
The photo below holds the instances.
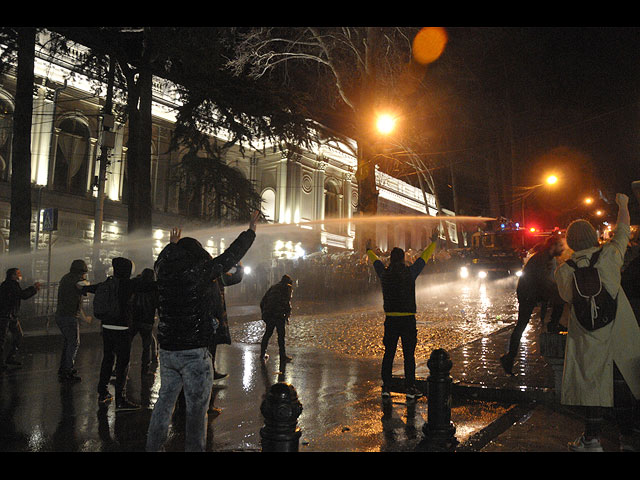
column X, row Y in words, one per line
column 174, row 236
column 255, row 216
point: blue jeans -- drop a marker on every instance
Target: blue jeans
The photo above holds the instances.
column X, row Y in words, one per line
column 71, row 335
column 193, row 371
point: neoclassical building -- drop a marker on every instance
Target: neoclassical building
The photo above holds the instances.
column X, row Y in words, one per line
column 314, row 192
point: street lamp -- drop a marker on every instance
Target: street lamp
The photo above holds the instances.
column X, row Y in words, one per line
column 588, row 201
column 550, row 180
column 385, row 124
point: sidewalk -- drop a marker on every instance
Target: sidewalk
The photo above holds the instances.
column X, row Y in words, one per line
column 536, row 422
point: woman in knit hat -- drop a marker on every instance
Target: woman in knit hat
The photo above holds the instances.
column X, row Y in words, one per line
column 593, row 358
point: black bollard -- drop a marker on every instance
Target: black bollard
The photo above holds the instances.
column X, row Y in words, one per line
column 281, row 409
column 439, row 431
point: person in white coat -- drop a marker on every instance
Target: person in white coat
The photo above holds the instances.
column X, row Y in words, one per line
column 593, row 359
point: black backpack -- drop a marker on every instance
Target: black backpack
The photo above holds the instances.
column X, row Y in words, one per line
column 106, row 304
column 592, row 303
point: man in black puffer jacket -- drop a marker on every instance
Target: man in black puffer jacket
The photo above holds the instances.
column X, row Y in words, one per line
column 185, row 275
column 398, row 292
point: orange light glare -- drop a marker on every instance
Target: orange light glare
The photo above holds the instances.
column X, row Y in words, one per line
column 429, row 44
column 552, row 179
column 588, row 201
column 385, row 124
column 599, row 212
column 532, row 229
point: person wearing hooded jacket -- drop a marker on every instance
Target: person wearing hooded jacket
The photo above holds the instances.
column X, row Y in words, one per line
column 601, row 366
column 185, row 273
column 70, row 293
column 11, row 295
column 398, row 282
column 276, row 309
column 116, row 337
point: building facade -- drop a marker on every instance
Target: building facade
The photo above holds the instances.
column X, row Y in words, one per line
column 313, row 193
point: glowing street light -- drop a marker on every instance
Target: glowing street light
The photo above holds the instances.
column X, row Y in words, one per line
column 599, row 213
column 552, row 179
column 385, row 124
column 588, row 200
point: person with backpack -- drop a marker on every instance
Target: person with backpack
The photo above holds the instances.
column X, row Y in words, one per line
column 143, row 315
column 112, row 306
column 536, row 286
column 276, row 309
column 398, row 282
column 68, row 309
column 602, row 356
column 185, row 273
column 11, row 295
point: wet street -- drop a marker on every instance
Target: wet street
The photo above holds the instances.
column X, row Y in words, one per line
column 335, row 371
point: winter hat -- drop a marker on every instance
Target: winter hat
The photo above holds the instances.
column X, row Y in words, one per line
column 397, row 255
column 286, row 279
column 581, row 235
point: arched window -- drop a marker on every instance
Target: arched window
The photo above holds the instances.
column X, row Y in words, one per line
column 6, row 135
column 72, row 156
column 269, row 204
column 332, row 205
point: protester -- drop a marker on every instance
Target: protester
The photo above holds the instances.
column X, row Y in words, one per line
column 70, row 292
column 398, row 283
column 113, row 308
column 536, row 286
column 185, row 274
column 601, row 365
column 144, row 305
column 11, row 294
column 222, row 335
column 276, row 309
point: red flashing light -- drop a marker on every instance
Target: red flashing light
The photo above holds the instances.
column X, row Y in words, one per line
column 532, row 229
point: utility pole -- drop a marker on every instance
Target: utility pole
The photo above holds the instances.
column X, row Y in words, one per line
column 106, row 144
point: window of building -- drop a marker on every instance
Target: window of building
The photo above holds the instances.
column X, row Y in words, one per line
column 72, row 156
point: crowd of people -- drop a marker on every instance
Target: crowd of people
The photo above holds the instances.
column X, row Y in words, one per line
column 600, row 281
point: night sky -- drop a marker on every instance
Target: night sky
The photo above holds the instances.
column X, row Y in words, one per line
column 571, row 95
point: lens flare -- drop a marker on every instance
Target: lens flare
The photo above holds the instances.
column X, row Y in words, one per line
column 429, row 44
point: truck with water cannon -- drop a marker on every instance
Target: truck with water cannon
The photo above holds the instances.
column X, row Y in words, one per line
column 500, row 252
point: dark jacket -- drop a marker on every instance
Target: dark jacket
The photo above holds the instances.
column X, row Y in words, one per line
column 537, row 281
column 145, row 303
column 69, row 293
column 398, row 281
column 11, row 295
column 127, row 287
column 185, row 276
column 222, row 335
column 276, row 302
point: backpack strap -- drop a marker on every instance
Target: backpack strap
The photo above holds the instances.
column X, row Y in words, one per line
column 594, row 257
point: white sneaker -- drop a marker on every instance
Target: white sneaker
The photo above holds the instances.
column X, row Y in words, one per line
column 582, row 445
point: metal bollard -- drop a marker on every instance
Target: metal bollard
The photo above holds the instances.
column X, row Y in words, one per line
column 281, row 409
column 439, row 431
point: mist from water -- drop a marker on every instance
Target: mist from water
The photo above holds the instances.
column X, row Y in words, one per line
column 64, row 250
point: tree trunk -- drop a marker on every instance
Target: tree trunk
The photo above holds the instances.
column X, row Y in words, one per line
column 20, row 219
column 139, row 222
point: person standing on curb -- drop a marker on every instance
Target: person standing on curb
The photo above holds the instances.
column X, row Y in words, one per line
column 398, row 283
column 185, row 273
column 276, row 309
column 11, row 294
column 536, row 285
column 602, row 356
column 70, row 292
